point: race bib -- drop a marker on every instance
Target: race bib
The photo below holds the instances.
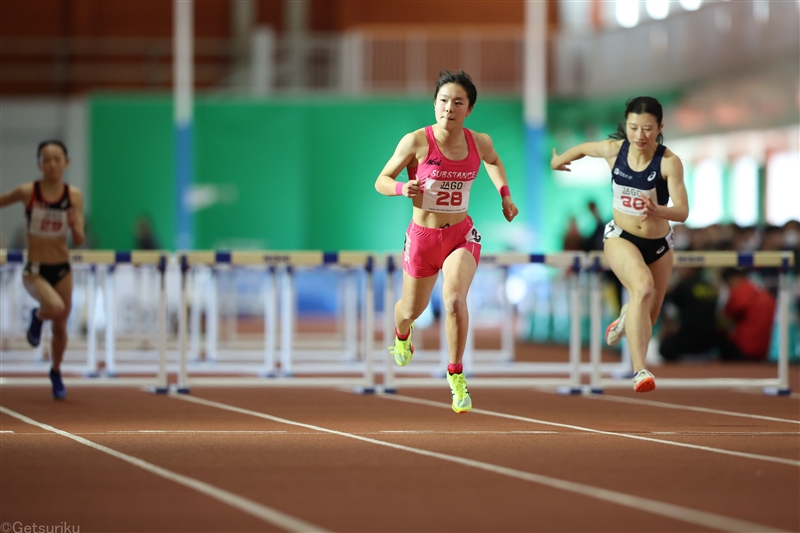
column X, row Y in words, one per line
column 446, row 196
column 630, row 200
column 48, row 222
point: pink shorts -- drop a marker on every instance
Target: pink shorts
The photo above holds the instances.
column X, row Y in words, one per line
column 425, row 249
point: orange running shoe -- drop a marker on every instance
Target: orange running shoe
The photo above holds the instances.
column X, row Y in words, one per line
column 644, row 381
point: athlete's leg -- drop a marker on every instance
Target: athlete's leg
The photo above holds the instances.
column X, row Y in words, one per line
column 414, row 300
column 59, row 323
column 626, row 261
column 459, row 270
column 661, row 271
column 51, row 304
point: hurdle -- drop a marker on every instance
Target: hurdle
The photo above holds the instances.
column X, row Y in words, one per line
column 494, row 368
column 776, row 386
column 108, row 259
column 283, row 368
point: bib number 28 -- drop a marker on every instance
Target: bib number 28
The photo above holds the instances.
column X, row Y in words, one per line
column 449, row 198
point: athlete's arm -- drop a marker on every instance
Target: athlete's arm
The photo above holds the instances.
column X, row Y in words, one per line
column 14, row 196
column 606, row 149
column 497, row 172
column 672, row 170
column 75, row 216
column 403, row 155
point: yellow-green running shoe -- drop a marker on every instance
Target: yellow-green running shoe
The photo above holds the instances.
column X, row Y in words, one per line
column 403, row 351
column 462, row 403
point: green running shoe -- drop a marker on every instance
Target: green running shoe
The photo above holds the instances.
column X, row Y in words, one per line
column 462, row 402
column 403, row 351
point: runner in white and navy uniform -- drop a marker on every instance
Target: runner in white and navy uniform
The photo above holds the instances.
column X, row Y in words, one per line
column 52, row 208
column 442, row 162
column 645, row 175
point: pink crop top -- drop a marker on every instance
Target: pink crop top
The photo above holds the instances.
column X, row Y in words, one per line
column 446, row 183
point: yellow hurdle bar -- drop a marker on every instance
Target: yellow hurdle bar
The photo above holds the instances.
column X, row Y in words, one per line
column 276, row 258
column 94, row 257
column 718, row 259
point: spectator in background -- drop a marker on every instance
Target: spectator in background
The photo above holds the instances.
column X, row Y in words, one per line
column 771, row 241
column 144, row 234
column 791, row 242
column 594, row 242
column 689, row 324
column 682, row 238
column 572, row 237
column 751, row 311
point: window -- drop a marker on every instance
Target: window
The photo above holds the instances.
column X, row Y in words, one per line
column 627, row 12
column 705, row 198
column 744, row 194
column 783, row 188
column 658, row 9
column 691, row 5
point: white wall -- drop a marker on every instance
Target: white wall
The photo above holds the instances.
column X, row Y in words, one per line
column 24, row 123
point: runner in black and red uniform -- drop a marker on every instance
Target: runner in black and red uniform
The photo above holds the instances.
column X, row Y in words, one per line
column 52, row 208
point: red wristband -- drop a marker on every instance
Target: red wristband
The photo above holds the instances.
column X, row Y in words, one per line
column 398, row 188
column 504, row 191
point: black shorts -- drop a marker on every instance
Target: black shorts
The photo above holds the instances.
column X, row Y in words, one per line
column 651, row 249
column 52, row 273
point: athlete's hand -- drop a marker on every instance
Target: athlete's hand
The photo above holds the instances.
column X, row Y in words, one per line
column 651, row 208
column 412, row 188
column 509, row 209
column 555, row 165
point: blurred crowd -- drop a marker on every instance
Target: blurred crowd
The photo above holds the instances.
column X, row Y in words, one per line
column 727, row 313
column 714, row 313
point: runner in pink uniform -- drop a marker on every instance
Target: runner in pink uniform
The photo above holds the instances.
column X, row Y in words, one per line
column 442, row 161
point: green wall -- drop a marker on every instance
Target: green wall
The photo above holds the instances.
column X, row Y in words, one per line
column 131, row 169
column 287, row 173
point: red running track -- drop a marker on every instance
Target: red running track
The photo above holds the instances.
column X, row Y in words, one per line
column 261, row 459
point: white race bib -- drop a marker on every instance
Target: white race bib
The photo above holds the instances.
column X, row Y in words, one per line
column 50, row 223
column 630, row 200
column 446, row 196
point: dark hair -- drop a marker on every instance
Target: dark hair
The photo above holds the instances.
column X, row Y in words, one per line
column 52, row 141
column 637, row 106
column 729, row 273
column 461, row 78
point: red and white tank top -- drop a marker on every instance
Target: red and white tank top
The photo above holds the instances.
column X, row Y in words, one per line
column 446, row 183
column 48, row 219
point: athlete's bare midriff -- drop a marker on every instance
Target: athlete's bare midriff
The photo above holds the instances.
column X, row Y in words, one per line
column 47, row 251
column 429, row 219
column 649, row 229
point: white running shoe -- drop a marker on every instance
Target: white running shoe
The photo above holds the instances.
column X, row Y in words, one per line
column 616, row 330
column 644, row 381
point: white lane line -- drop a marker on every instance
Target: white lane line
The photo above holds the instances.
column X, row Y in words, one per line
column 267, row 514
column 420, row 401
column 668, row 510
column 433, row 432
column 6, row 431
column 422, row 432
column 622, row 399
column 185, row 432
